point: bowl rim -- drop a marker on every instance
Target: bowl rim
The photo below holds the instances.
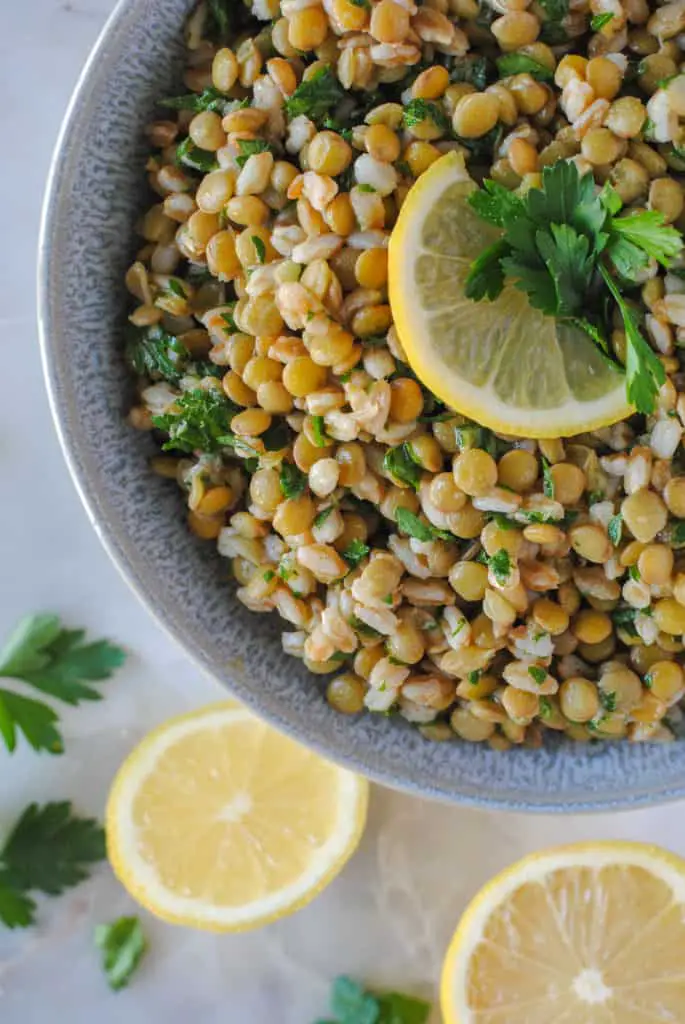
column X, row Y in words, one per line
column 120, row 549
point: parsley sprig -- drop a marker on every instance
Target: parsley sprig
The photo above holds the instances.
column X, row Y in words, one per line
column 352, row 1004
column 49, row 850
column 56, row 661
column 565, row 245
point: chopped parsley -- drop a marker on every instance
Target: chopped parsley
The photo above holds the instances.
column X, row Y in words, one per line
column 153, row 352
column 190, row 155
column 321, row 517
column 202, row 422
column 600, row 20
column 615, row 529
column 419, row 110
column 321, row 438
column 470, row 69
column 402, row 464
column 250, row 147
column 521, row 63
column 410, row 523
column 547, row 479
column 474, row 676
column 634, row 573
column 537, row 674
column 500, row 564
column 260, row 248
column 317, row 96
column 293, row 481
column 608, row 699
column 210, row 99
column 268, row 576
column 355, row 553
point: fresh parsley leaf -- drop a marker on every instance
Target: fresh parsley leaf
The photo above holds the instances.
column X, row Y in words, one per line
column 55, row 660
column 32, row 718
column 321, row 438
column 365, row 188
column 221, row 16
column 268, row 576
column 250, row 147
column 500, row 563
column 419, row 110
column 260, row 248
column 634, row 573
column 202, row 422
column 49, row 849
column 473, row 677
column 190, row 155
column 645, row 373
column 598, row 22
column 502, row 522
column 537, row 674
column 317, row 96
column 355, row 552
column 615, row 529
column 547, row 479
column 648, row 230
column 410, row 523
column 402, row 464
column 153, row 352
column 521, row 63
column 123, row 945
column 293, row 480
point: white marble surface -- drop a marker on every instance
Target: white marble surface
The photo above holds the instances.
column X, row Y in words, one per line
column 388, row 917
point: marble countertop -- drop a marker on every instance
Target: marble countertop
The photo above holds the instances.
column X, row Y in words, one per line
column 388, row 917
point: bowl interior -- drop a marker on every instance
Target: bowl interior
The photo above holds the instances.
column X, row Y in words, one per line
column 95, row 193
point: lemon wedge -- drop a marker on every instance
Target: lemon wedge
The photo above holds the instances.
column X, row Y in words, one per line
column 584, row 934
column 216, row 821
column 502, row 363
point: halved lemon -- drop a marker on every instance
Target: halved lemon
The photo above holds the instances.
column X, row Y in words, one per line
column 502, row 363
column 217, row 821
column 592, row 933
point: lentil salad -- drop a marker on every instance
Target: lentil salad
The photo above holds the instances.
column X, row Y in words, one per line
column 345, row 495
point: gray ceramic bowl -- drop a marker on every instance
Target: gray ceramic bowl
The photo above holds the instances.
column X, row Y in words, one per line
column 94, row 195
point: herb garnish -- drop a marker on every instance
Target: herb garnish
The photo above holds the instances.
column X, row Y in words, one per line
column 123, row 945
column 410, row 523
column 403, row 465
column 316, row 96
column 55, row 661
column 352, row 1004
column 49, row 850
column 559, row 243
column 355, row 552
column 202, row 422
column 293, row 481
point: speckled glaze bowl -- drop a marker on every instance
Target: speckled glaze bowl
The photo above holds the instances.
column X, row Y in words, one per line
column 95, row 192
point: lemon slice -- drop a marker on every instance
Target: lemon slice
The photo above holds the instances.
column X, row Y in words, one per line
column 586, row 934
column 502, row 363
column 217, row 821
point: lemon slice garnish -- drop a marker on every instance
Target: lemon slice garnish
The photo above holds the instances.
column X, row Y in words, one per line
column 502, row 363
column 585, row 934
column 217, row 821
